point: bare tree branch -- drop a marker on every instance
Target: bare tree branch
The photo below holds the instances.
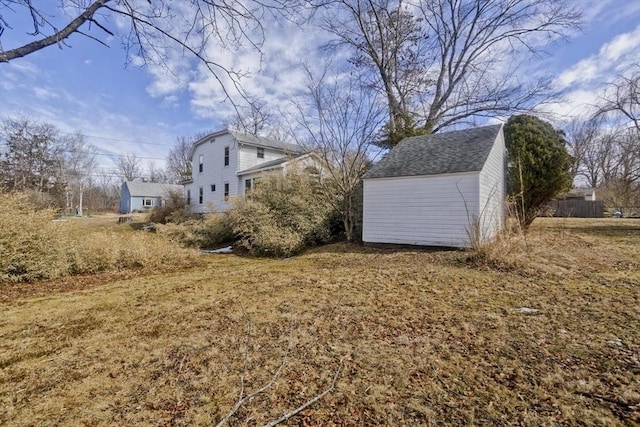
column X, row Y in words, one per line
column 242, row 399
column 57, row 37
column 440, row 62
column 308, row 402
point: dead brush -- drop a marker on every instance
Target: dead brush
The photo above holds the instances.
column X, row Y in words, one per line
column 35, row 247
column 509, row 250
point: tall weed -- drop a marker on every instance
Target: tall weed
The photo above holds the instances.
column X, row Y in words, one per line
column 33, row 246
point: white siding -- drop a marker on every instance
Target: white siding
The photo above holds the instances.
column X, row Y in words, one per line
column 248, row 156
column 424, row 210
column 493, row 191
column 241, row 156
column 214, row 173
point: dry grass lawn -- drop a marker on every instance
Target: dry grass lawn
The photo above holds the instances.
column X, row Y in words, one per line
column 419, row 338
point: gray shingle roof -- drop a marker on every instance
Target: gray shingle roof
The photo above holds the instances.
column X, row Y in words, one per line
column 457, row 151
column 151, row 189
column 265, row 165
column 245, row 138
column 261, row 141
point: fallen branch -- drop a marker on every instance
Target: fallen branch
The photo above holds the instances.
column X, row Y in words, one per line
column 242, row 400
column 308, row 403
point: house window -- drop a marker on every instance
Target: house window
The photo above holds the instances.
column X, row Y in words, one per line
column 226, row 190
column 201, row 163
column 260, row 153
column 200, row 195
column 226, row 156
column 213, row 187
column 188, row 197
column 248, row 185
column 147, row 203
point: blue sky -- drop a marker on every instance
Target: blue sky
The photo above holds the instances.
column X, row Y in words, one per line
column 123, row 110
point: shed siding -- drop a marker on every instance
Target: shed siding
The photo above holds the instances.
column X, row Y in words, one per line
column 125, row 199
column 136, row 204
column 493, row 191
column 422, row 210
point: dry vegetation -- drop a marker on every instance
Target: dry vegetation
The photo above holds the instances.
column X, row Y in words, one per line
column 420, row 338
column 35, row 246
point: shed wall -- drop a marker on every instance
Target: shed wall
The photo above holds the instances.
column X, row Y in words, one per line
column 423, row 210
column 125, row 199
column 493, row 191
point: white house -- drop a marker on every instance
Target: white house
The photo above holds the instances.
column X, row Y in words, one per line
column 438, row 190
column 227, row 163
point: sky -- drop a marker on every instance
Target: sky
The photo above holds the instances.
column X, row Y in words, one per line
column 125, row 109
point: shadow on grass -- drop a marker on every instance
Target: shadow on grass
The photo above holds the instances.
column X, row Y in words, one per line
column 613, row 230
column 372, row 248
column 138, row 226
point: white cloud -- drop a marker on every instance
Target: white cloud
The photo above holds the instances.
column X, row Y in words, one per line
column 613, row 57
column 44, row 93
column 582, row 84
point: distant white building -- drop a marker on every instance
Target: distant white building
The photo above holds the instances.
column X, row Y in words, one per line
column 227, row 163
column 438, row 190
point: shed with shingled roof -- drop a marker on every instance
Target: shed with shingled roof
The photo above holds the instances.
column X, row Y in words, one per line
column 444, row 189
column 142, row 196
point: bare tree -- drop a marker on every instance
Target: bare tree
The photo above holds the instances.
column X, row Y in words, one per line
column 179, row 162
column 442, row 62
column 107, row 189
column 253, row 118
column 151, row 31
column 78, row 165
column 339, row 121
column 32, row 156
column 622, row 99
column 589, row 146
column 156, row 174
column 130, row 166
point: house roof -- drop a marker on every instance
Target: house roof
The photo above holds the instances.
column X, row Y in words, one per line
column 246, row 138
column 450, row 152
column 151, row 189
column 261, row 141
column 272, row 164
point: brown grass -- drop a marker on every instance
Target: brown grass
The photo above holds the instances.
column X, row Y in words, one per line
column 422, row 338
column 35, row 246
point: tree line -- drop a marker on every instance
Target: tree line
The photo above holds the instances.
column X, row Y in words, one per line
column 61, row 170
column 412, row 68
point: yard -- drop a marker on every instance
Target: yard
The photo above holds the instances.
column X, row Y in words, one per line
column 549, row 335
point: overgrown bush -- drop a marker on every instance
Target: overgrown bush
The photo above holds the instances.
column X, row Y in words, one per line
column 35, row 247
column 281, row 216
column 205, row 233
column 174, row 210
column 30, row 242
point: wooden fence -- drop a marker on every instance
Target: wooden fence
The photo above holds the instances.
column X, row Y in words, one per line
column 578, row 208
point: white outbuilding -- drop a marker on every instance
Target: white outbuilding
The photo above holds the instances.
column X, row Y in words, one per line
column 446, row 189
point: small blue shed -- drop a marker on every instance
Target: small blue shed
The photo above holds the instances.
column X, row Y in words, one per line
column 142, row 196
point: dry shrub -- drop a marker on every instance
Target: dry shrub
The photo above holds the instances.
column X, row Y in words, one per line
column 174, row 210
column 30, row 242
column 281, row 216
column 208, row 232
column 507, row 251
column 35, row 247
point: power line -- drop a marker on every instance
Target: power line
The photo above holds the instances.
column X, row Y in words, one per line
column 124, row 140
